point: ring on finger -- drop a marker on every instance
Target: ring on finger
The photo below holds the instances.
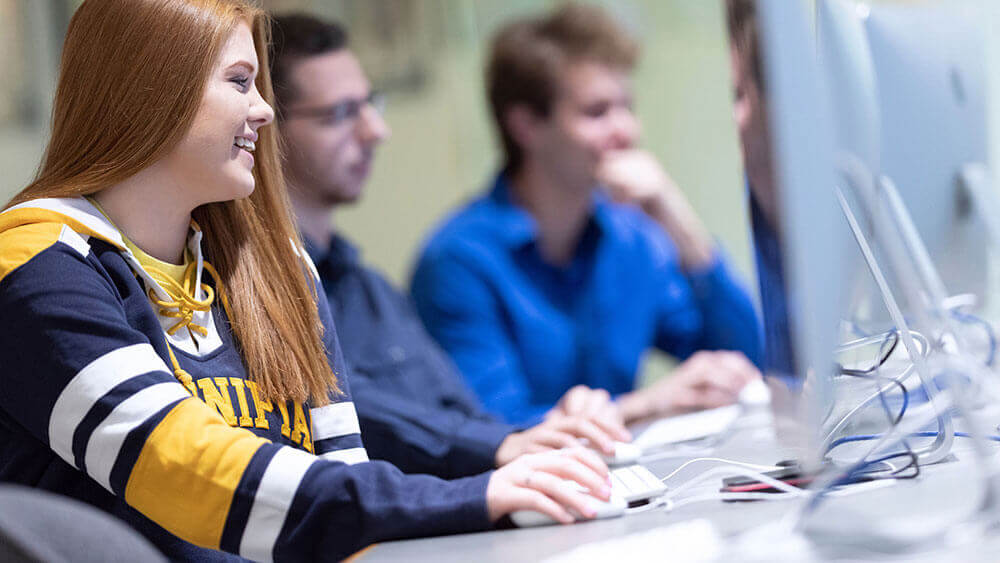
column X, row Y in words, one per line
column 527, row 480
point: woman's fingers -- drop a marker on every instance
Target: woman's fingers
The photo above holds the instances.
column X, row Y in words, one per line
column 565, row 494
column 580, row 465
column 530, row 498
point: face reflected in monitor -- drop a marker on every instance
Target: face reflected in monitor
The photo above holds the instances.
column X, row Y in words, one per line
column 750, row 114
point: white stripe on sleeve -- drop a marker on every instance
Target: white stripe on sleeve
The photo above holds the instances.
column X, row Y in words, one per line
column 349, row 456
column 106, row 440
column 90, row 384
column 337, row 419
column 271, row 502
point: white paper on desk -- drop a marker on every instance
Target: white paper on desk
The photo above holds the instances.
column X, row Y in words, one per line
column 685, row 427
column 694, row 541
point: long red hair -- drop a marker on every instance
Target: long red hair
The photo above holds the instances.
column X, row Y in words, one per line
column 132, row 77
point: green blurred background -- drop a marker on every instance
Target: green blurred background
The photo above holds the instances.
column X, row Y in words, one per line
column 427, row 56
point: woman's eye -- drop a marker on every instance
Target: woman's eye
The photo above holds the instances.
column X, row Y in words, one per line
column 242, row 81
column 596, row 110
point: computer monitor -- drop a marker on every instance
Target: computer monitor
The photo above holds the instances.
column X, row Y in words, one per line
column 909, row 90
column 800, row 238
column 930, row 78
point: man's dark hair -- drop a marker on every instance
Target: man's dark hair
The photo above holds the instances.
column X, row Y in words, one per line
column 741, row 19
column 527, row 57
column 293, row 37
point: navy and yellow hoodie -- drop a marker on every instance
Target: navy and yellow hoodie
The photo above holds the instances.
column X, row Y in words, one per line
column 103, row 399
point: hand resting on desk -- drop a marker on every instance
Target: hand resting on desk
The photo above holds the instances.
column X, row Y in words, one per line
column 705, row 380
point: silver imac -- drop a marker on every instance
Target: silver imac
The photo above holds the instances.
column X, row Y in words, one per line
column 801, row 242
column 930, row 76
column 909, row 90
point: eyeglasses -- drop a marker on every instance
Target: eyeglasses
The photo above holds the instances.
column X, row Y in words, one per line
column 341, row 112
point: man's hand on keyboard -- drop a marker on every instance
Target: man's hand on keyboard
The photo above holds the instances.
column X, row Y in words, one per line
column 594, row 405
column 555, row 432
column 705, row 380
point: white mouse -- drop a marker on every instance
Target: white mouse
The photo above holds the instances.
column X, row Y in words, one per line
column 613, row 508
column 755, row 394
column 625, row 454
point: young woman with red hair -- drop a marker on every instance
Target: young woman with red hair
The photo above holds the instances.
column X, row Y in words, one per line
column 166, row 354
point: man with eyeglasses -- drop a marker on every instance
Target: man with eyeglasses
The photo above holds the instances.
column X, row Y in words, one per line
column 414, row 408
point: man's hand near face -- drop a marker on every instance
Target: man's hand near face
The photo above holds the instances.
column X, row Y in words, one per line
column 634, row 176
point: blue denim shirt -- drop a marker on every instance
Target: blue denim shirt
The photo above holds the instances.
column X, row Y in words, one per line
column 414, row 408
column 523, row 331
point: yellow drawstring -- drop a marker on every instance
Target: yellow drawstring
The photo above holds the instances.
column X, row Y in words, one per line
column 182, row 376
column 185, row 304
column 183, row 301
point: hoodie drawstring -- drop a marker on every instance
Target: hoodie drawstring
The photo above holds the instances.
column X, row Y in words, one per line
column 186, row 305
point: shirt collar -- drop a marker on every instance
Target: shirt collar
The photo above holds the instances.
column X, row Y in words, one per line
column 517, row 227
column 340, row 256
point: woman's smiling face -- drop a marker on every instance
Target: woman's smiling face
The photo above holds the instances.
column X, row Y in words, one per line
column 214, row 160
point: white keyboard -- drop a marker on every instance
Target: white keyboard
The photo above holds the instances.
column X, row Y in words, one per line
column 681, row 428
column 635, row 483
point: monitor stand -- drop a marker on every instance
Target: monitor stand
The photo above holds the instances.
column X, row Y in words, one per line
column 861, row 184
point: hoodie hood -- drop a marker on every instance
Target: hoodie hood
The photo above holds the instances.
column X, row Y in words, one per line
column 85, row 221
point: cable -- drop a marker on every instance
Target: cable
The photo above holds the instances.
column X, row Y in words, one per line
column 902, row 409
column 925, row 434
column 851, row 476
column 856, row 329
column 742, row 464
column 672, row 504
column 682, row 450
column 944, row 400
column 881, row 395
column 886, row 348
column 729, row 471
column 969, row 318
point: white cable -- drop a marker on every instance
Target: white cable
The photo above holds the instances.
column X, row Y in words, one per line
column 729, row 462
column 727, row 496
column 840, row 491
column 727, row 471
column 682, row 450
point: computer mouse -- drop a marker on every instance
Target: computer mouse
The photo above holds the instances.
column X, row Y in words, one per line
column 613, row 508
column 755, row 394
column 625, row 454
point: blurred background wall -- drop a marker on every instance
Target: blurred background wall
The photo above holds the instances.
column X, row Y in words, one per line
column 427, row 56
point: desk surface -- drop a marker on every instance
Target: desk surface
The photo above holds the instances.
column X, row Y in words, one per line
column 941, row 494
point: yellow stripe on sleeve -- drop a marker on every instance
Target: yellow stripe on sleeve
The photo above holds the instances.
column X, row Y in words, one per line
column 21, row 244
column 188, row 470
